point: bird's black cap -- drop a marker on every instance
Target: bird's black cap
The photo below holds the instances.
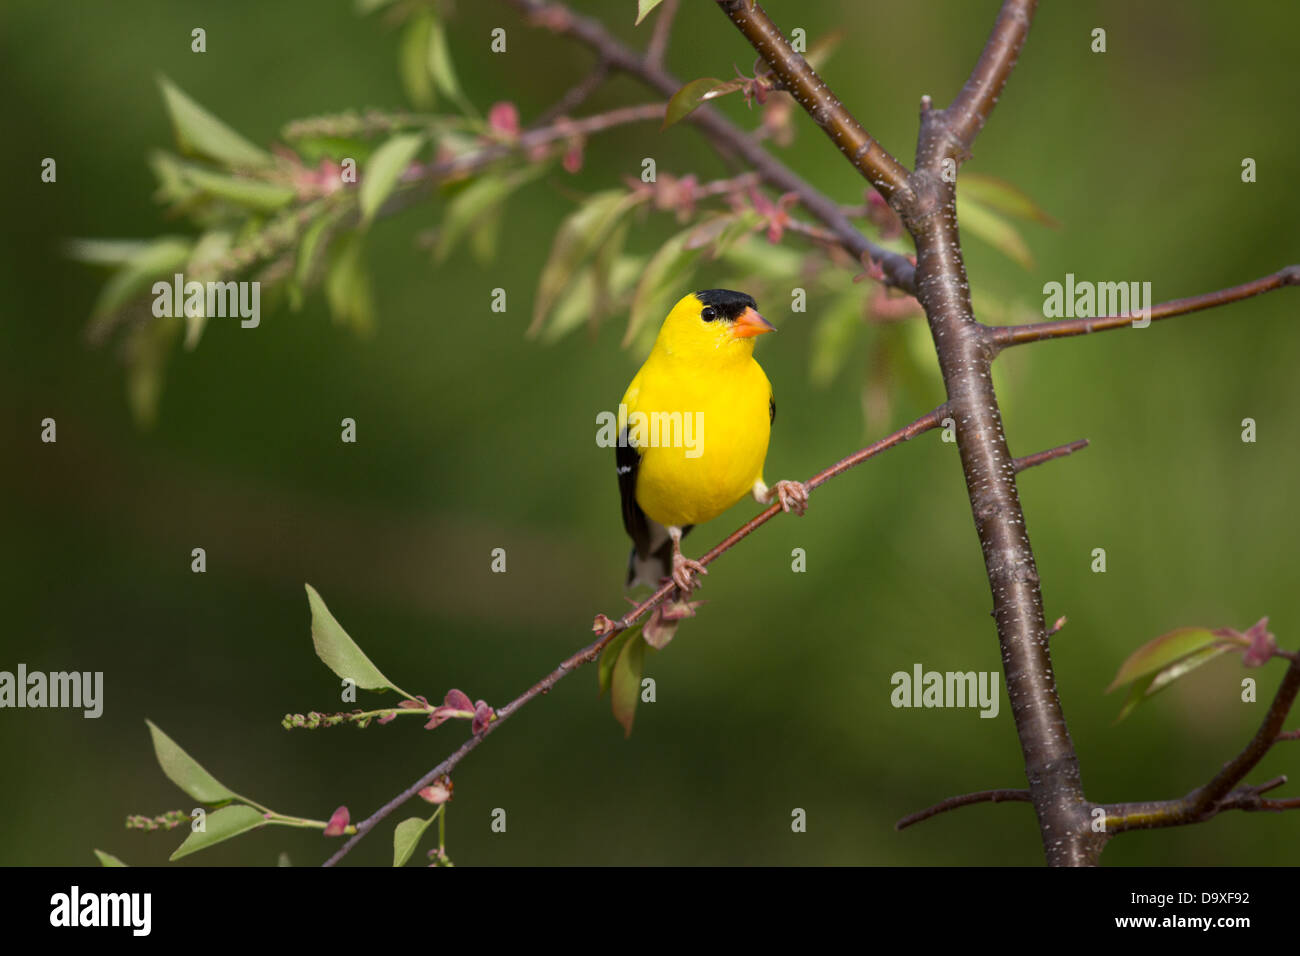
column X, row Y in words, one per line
column 728, row 304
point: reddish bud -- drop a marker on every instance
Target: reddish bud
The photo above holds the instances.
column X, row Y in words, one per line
column 572, row 161
column 439, row 791
column 457, row 700
column 338, row 822
column 1263, row 645
column 483, row 715
column 503, row 118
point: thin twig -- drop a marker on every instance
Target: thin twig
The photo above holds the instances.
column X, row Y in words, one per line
column 560, row 129
column 576, row 95
column 1218, row 795
column 965, row 800
column 1004, row 336
column 723, row 135
column 611, row 628
column 654, row 53
column 881, row 169
column 1060, row 451
column 950, row 132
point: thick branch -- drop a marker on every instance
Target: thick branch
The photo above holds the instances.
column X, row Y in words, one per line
column 607, row 628
column 1219, row 794
column 722, row 134
column 928, row 210
column 965, row 800
column 1008, row 335
column 882, row 170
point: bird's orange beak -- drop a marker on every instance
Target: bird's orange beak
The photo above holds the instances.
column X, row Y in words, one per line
column 749, row 323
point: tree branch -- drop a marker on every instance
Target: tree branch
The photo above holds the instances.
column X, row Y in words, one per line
column 951, row 132
column 576, row 95
column 928, row 211
column 965, row 800
column 1060, row 451
column 722, row 134
column 1219, row 794
column 607, row 629
column 1007, row 335
column 654, row 53
column 882, row 170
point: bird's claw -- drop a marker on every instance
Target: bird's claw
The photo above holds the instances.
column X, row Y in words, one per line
column 684, row 571
column 793, row 496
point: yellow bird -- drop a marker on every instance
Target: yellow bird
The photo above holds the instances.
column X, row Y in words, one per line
column 693, row 432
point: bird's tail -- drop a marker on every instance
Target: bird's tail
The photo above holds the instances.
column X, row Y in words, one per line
column 657, row 564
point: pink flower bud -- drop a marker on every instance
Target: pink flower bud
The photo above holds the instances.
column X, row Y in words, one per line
column 338, row 822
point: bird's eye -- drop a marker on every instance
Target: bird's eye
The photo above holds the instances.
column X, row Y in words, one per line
column 708, row 315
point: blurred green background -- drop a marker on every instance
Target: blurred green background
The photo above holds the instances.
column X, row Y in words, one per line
column 473, row 438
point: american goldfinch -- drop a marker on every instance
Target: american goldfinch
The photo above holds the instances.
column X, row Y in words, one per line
column 693, row 431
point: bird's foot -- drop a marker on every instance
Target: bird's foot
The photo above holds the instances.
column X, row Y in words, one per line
column 792, row 494
column 684, row 571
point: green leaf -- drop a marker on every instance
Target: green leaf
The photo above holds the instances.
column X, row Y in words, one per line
column 413, row 61
column 147, row 346
column 980, row 221
column 582, row 302
column 252, row 193
column 833, row 336
column 581, row 233
column 174, row 187
column 643, row 8
column 107, row 859
column 1002, row 196
column 186, row 772
column 609, row 656
column 104, row 252
column 661, row 284
column 364, row 7
column 339, row 652
column 693, row 94
column 198, row 131
column 440, row 66
column 752, row 255
column 625, row 683
column 347, row 285
column 384, row 169
column 476, row 201
column 221, row 825
column 158, row 259
column 1157, row 654
column 314, row 241
column 485, row 235
column 208, row 251
column 718, row 234
column 1148, row 686
column 406, row 837
column 604, row 263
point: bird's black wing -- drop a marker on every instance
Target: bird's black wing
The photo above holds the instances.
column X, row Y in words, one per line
column 771, row 409
column 628, row 460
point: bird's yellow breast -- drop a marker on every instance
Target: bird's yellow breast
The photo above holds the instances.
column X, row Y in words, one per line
column 711, row 439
